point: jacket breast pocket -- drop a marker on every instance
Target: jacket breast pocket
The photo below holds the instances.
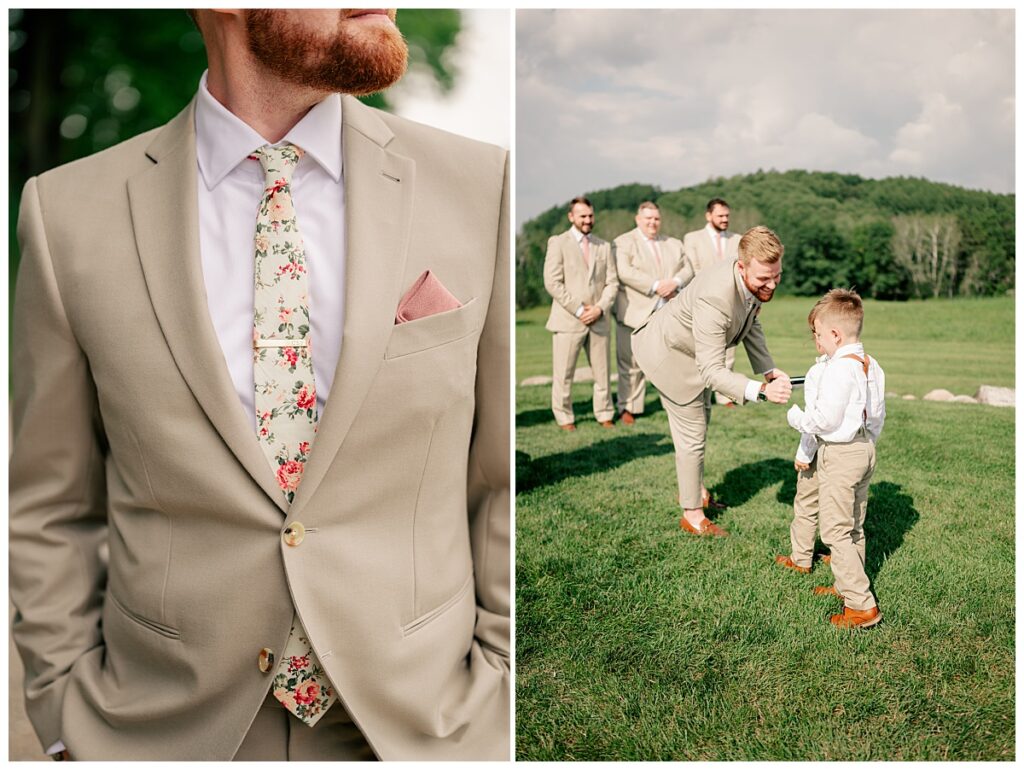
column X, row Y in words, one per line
column 435, row 330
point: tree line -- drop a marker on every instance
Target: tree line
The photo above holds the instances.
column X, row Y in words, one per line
column 896, row 239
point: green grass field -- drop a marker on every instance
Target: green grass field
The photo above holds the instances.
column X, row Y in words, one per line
column 635, row 641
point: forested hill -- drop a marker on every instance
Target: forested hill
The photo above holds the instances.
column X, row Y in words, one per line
column 892, row 238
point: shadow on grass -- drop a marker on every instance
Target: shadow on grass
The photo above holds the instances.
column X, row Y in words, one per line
column 891, row 514
column 585, row 461
column 740, row 484
column 582, row 408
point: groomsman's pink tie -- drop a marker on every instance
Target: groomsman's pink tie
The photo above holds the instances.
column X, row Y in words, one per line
column 585, row 245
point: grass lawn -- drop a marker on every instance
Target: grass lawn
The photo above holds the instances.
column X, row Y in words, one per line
column 635, row 641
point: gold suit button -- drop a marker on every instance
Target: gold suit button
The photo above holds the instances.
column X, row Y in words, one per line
column 266, row 660
column 294, row 533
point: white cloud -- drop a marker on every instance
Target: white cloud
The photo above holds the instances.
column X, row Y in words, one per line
column 675, row 97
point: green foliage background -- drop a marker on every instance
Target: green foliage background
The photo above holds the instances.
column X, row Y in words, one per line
column 837, row 229
column 125, row 72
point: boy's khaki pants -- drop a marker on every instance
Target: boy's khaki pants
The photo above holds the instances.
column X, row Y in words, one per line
column 805, row 516
column 844, row 473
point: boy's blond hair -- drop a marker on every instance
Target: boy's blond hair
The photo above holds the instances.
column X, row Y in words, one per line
column 814, row 313
column 761, row 244
column 841, row 308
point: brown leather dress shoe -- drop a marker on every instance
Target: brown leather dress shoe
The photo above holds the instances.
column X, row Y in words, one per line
column 607, row 424
column 627, row 417
column 707, row 527
column 788, row 563
column 856, row 618
column 827, row 591
column 568, row 426
column 711, row 504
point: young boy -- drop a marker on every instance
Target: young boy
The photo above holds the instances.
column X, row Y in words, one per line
column 847, row 418
column 805, row 502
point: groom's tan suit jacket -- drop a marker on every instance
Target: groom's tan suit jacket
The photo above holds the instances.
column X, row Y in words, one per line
column 682, row 346
column 147, row 562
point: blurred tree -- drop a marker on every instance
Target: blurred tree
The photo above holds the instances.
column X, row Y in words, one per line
column 83, row 80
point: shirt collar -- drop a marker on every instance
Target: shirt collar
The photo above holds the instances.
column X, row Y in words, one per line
column 856, row 348
column 576, row 233
column 223, row 140
column 711, row 230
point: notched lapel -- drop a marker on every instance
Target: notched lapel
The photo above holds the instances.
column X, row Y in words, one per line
column 164, row 207
column 379, row 188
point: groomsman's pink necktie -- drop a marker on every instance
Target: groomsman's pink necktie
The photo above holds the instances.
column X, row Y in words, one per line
column 286, row 411
column 585, row 245
column 718, row 239
column 657, row 254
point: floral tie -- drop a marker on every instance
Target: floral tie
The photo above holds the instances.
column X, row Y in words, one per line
column 286, row 413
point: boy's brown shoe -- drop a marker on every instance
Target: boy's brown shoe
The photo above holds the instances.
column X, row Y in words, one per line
column 788, row 563
column 856, row 618
column 706, row 528
column 827, row 591
column 627, row 417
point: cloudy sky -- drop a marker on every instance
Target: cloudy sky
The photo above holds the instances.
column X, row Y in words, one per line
column 673, row 98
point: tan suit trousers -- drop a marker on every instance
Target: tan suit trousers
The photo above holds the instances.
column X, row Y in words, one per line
column 565, row 350
column 844, row 473
column 805, row 516
column 277, row 736
column 730, row 363
column 632, row 385
column 689, row 426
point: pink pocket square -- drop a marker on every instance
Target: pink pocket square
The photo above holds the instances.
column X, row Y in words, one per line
column 428, row 296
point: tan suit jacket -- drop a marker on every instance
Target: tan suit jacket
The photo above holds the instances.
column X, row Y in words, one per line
column 571, row 283
column 147, row 562
column 638, row 270
column 682, row 346
column 700, row 251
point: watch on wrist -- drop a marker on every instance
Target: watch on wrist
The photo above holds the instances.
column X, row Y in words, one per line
column 761, row 395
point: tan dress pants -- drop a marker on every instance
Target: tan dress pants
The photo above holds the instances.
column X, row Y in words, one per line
column 689, row 426
column 564, row 352
column 632, row 385
column 276, row 735
column 805, row 516
column 844, row 474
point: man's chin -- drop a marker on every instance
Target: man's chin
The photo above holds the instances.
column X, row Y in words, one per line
column 763, row 296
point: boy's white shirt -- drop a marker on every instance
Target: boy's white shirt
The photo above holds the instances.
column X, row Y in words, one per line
column 842, row 399
column 808, row 446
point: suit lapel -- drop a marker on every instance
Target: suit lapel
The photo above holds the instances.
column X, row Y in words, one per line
column 163, row 201
column 379, row 187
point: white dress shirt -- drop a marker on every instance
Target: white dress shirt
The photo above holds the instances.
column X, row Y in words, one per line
column 808, row 446
column 714, row 236
column 230, row 189
column 844, row 396
column 578, row 235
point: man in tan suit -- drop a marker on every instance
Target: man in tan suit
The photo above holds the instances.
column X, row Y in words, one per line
column 159, row 565
column 579, row 274
column 651, row 272
column 708, row 246
column 682, row 348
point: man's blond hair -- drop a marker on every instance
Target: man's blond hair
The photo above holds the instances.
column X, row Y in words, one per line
column 761, row 244
column 647, row 205
column 841, row 309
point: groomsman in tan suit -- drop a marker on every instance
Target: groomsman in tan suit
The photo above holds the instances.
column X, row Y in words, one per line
column 708, row 246
column 651, row 272
column 580, row 276
column 682, row 349
column 165, row 559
